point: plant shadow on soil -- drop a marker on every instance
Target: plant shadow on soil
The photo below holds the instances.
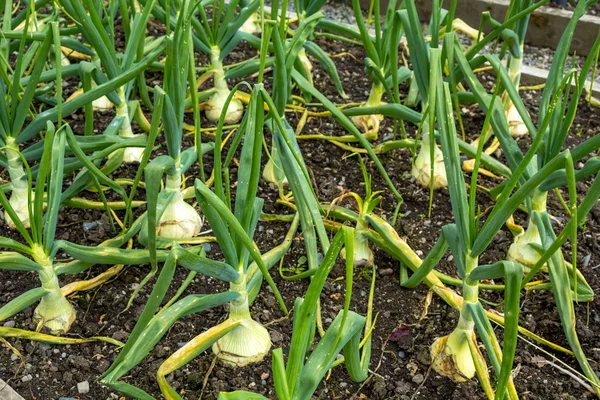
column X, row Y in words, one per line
column 401, row 368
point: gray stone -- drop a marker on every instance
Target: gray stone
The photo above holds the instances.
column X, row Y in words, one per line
column 83, row 387
column 9, row 324
column 418, row 379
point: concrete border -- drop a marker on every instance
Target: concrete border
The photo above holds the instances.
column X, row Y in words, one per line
column 8, row 393
column 535, row 76
column 545, row 27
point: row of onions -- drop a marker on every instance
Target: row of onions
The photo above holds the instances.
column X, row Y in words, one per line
column 112, row 49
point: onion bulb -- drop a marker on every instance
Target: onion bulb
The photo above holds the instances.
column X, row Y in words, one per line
column 179, row 221
column 252, row 24
column 247, row 343
column 215, row 104
column 54, row 311
column 370, row 123
column 451, row 355
column 515, row 122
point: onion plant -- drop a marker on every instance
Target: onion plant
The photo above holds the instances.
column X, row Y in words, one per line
column 89, row 16
column 153, row 323
column 178, row 220
column 215, row 29
column 54, row 310
column 467, row 241
column 378, row 63
column 305, row 9
column 18, row 93
column 300, row 376
column 38, row 254
column 286, row 57
column 557, row 110
column 515, row 62
column 550, row 135
column 427, row 168
column 234, row 226
column 15, row 108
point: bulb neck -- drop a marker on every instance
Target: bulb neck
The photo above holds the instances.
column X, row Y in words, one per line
column 375, row 95
column 539, row 201
column 220, row 83
column 173, row 182
column 15, row 168
column 514, row 69
column 470, row 293
column 122, row 111
column 239, row 309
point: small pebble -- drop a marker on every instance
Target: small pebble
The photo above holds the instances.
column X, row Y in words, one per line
column 207, row 247
column 26, row 378
column 401, row 354
column 83, row 387
column 386, row 272
column 418, row 379
column 44, row 346
column 88, row 226
column 9, row 324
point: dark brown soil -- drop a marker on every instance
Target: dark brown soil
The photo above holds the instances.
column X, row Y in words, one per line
column 401, row 368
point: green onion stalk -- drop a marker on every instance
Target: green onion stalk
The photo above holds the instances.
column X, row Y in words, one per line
column 19, row 199
column 515, row 121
